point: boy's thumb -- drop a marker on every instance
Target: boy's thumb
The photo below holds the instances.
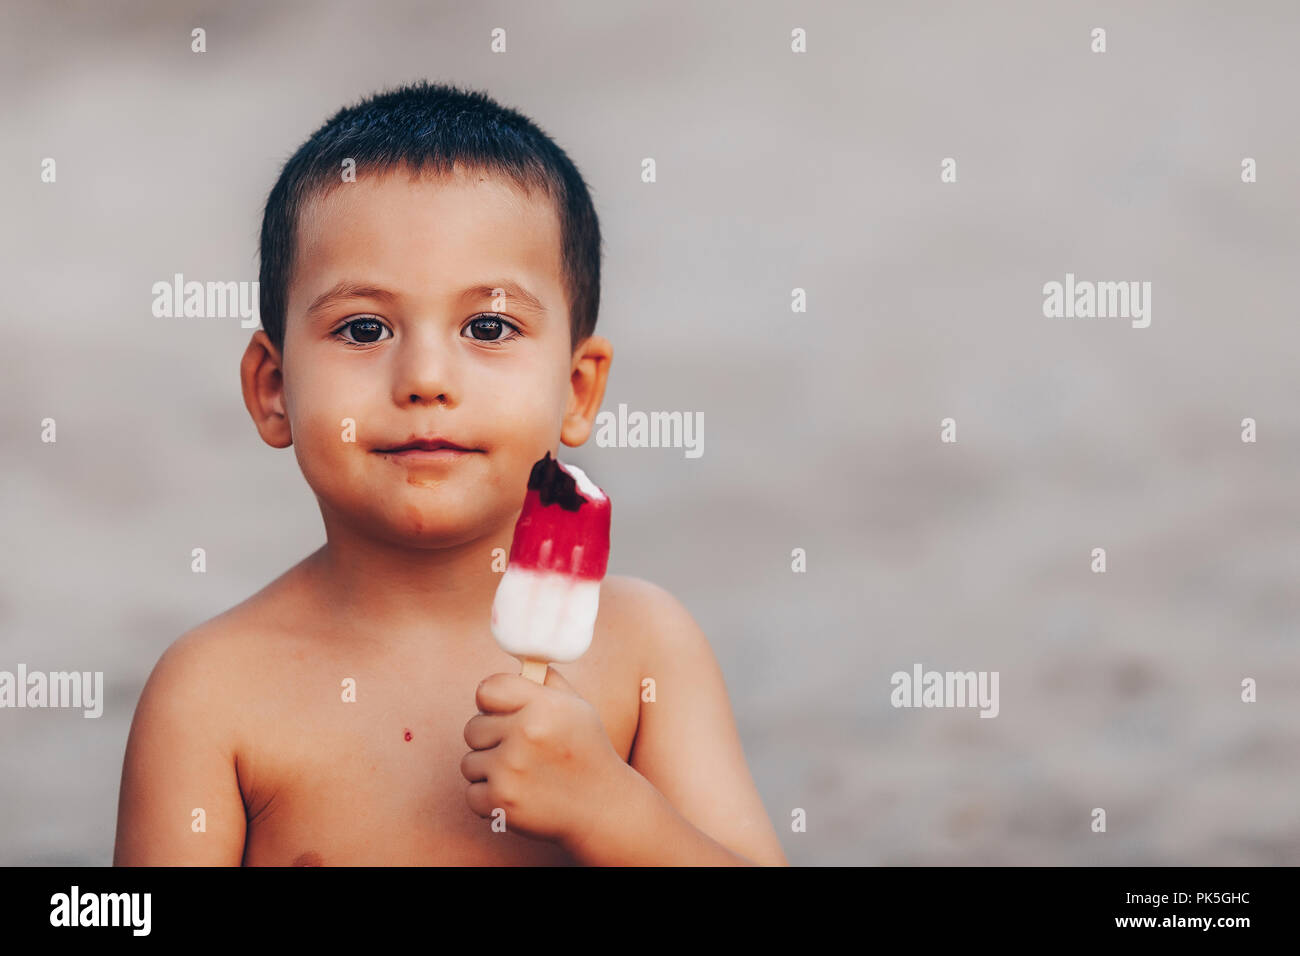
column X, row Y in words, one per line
column 555, row 679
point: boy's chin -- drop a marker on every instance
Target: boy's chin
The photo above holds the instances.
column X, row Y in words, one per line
column 433, row 527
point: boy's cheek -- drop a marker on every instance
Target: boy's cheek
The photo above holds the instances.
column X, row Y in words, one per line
column 328, row 463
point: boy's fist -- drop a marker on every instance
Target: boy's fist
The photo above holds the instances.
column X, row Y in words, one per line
column 541, row 754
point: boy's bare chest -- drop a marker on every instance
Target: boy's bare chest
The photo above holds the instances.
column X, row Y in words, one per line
column 358, row 763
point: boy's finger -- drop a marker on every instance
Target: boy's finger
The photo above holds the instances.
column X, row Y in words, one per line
column 476, row 795
column 485, row 730
column 474, row 766
column 504, row 693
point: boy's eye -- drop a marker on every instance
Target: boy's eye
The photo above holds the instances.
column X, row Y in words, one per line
column 363, row 331
column 490, row 328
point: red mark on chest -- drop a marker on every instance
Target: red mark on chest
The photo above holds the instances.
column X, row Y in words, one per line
column 310, row 858
column 407, row 735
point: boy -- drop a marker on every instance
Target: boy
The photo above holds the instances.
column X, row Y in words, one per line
column 447, row 292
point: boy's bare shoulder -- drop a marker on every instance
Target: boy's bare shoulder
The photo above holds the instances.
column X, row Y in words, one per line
column 649, row 617
column 218, row 645
column 211, row 666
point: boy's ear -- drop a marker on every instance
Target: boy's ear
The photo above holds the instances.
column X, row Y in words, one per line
column 263, row 384
column 591, row 361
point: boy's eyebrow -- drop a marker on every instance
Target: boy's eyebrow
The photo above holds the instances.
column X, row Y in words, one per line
column 514, row 292
column 350, row 289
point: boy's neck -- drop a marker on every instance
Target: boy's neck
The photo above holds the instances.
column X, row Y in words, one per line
column 398, row 593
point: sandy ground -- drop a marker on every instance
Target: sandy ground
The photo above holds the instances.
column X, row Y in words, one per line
column 821, row 171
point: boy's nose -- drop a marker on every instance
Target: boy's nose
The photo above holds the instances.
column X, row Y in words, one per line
column 425, row 374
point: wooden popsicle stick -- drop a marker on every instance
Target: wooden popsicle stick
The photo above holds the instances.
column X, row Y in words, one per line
column 535, row 671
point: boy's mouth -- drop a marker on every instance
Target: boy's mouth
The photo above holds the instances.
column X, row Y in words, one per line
column 434, row 449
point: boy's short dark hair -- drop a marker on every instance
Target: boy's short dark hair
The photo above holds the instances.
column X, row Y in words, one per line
column 432, row 124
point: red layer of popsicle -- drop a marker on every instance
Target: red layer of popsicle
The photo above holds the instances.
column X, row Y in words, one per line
column 560, row 529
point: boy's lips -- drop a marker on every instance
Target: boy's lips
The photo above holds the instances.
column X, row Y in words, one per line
column 428, row 449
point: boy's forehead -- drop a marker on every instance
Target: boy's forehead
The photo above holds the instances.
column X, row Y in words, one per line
column 430, row 228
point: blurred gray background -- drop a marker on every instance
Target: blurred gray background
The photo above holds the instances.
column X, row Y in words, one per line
column 776, row 171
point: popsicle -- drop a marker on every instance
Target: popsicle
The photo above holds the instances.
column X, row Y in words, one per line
column 545, row 607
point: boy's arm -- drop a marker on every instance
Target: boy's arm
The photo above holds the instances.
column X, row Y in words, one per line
column 179, row 759
column 691, row 799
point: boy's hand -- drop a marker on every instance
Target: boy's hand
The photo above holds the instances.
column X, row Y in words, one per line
column 540, row 753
